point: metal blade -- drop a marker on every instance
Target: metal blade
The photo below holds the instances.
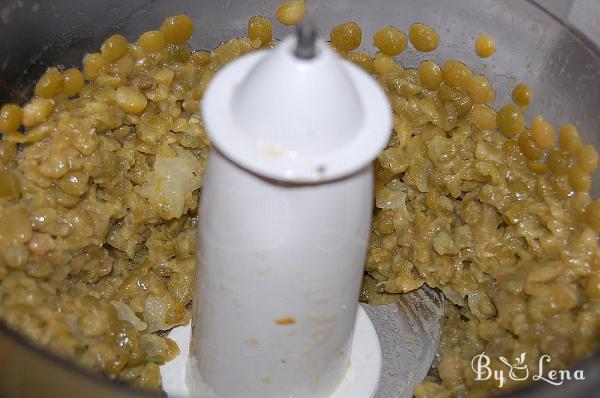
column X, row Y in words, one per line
column 409, row 333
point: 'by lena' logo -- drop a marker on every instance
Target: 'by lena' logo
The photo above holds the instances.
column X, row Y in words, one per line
column 518, row 370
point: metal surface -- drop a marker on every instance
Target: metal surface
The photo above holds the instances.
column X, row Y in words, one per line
column 561, row 65
column 409, row 333
column 28, row 372
column 307, row 37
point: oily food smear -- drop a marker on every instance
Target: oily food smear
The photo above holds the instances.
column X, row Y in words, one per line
column 99, row 203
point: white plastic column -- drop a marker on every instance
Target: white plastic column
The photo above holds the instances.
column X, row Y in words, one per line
column 284, row 224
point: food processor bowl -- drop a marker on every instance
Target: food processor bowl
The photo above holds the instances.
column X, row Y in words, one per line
column 533, row 46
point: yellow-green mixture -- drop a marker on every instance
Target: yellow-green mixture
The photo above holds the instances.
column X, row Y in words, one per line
column 98, row 205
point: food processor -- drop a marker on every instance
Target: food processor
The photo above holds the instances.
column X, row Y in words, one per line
column 561, row 65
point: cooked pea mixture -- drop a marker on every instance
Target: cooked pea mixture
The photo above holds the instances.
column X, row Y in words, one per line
column 99, row 180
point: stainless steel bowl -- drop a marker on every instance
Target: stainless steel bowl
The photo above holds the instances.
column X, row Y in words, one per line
column 533, row 46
